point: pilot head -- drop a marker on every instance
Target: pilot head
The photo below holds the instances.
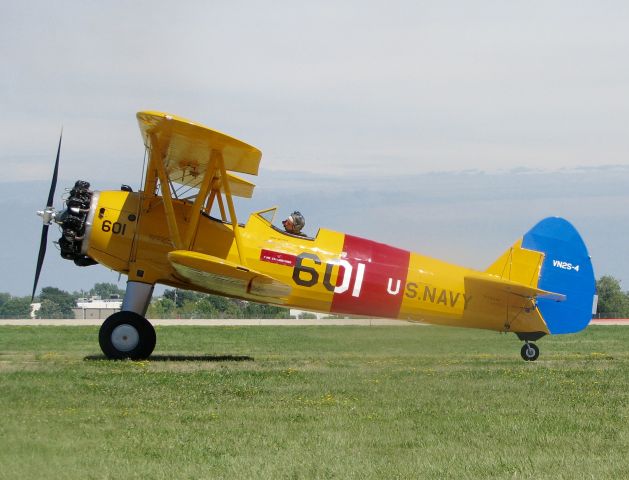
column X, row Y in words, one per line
column 294, row 222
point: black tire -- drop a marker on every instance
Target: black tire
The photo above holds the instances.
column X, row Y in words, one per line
column 529, row 352
column 127, row 335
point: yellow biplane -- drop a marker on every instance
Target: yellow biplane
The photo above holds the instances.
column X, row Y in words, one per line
column 181, row 230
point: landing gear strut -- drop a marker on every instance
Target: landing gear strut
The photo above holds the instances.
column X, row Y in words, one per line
column 128, row 334
column 529, row 352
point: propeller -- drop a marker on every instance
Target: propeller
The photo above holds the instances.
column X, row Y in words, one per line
column 47, row 215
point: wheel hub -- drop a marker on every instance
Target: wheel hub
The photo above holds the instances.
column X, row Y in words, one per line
column 125, row 337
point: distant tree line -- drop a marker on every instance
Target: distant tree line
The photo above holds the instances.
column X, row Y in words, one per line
column 189, row 304
column 56, row 303
column 613, row 302
column 14, row 307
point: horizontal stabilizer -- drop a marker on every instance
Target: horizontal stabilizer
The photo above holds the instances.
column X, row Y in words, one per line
column 491, row 282
column 227, row 278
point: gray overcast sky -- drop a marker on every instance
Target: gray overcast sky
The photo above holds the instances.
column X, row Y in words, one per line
column 355, row 88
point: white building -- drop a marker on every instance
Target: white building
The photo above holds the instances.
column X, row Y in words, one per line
column 35, row 308
column 96, row 308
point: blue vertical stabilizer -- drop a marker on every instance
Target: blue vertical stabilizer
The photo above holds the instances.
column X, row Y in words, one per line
column 567, row 270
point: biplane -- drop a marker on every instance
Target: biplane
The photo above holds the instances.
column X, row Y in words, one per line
column 181, row 230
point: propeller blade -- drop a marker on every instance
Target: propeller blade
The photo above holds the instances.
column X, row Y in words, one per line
column 53, row 184
column 44, row 232
column 40, row 258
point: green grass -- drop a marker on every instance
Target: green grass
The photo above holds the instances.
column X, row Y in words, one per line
column 314, row 402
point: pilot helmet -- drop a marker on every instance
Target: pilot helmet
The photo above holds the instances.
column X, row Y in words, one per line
column 298, row 221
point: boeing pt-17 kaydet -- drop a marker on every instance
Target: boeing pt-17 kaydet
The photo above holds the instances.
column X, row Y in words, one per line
column 181, row 230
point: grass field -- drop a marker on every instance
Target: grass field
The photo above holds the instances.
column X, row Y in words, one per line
column 314, row 402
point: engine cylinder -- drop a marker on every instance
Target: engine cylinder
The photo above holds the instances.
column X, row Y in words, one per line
column 73, row 222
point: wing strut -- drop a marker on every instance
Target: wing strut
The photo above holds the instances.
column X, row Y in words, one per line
column 204, row 188
column 221, row 206
column 232, row 210
column 171, row 219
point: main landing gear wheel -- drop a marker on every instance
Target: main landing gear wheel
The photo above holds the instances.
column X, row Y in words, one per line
column 127, row 335
column 529, row 352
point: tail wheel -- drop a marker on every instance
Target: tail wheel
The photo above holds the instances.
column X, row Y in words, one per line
column 529, row 352
column 127, row 335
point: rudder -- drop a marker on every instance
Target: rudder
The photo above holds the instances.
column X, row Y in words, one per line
column 566, row 269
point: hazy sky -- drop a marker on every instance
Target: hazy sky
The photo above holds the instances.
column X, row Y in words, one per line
column 353, row 90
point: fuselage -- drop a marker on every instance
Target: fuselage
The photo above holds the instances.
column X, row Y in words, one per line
column 330, row 272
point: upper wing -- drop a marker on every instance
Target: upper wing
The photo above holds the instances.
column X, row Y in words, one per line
column 238, row 186
column 186, row 149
